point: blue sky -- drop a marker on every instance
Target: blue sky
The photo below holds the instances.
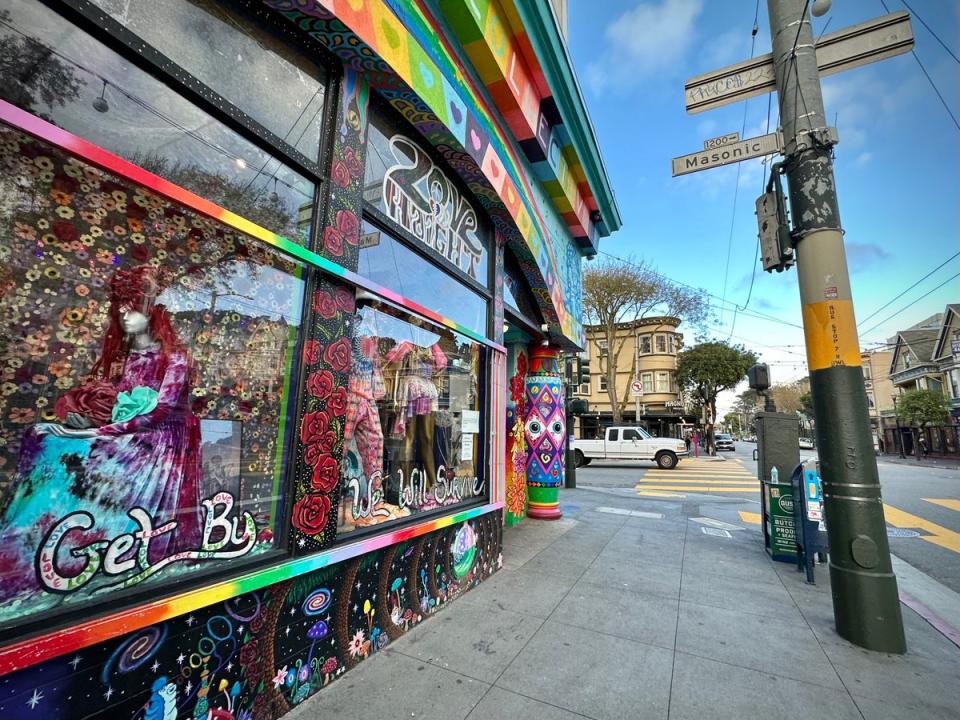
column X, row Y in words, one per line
column 896, row 164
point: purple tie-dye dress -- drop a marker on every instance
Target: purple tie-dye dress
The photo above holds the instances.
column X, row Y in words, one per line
column 151, row 461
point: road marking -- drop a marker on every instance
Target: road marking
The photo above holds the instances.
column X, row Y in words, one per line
column 696, row 481
column 750, row 518
column 716, row 532
column 939, row 535
column 654, row 493
column 704, row 488
column 695, row 473
column 716, row 523
column 631, row 513
column 948, row 503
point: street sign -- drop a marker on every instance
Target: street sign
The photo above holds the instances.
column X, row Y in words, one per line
column 848, row 48
column 721, row 141
column 726, row 154
column 636, row 388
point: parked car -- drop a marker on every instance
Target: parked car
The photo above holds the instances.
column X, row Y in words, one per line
column 630, row 443
column 806, row 443
column 724, row 441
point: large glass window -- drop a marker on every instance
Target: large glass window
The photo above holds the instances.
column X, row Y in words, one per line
column 145, row 353
column 402, row 181
column 265, row 77
column 663, row 382
column 53, row 69
column 414, row 436
column 390, row 263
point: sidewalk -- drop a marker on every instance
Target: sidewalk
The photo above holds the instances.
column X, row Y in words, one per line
column 946, row 463
column 608, row 615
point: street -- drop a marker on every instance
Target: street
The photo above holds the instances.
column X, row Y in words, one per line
column 922, row 504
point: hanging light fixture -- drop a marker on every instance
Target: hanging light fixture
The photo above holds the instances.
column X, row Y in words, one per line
column 100, row 104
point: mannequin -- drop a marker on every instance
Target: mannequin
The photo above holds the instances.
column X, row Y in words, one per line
column 128, row 439
column 416, row 400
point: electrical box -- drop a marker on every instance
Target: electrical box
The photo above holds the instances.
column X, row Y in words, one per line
column 776, row 250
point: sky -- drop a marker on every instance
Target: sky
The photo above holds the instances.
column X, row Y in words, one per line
column 896, row 164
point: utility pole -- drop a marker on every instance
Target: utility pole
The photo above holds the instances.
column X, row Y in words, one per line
column 866, row 605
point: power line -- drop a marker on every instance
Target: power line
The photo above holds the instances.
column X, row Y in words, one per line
column 930, row 30
column 878, row 310
column 909, row 305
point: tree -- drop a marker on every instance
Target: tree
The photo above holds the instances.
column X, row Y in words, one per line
column 616, row 291
column 922, row 407
column 787, row 397
column 708, row 369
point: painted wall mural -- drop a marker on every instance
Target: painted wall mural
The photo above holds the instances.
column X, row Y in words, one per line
column 258, row 655
column 413, row 65
column 546, row 433
column 516, row 450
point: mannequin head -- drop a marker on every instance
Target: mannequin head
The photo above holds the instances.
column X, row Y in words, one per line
column 134, row 312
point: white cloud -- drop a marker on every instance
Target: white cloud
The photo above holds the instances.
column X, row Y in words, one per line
column 863, row 158
column 643, row 41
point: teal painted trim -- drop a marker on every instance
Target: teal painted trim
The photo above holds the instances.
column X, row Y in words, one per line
column 551, row 50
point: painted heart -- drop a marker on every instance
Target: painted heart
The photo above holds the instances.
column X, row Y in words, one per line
column 474, row 139
column 455, row 113
column 393, row 39
column 494, row 170
column 545, row 458
column 427, row 75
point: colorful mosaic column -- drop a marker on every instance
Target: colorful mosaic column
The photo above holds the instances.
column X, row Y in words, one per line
column 516, row 451
column 546, row 431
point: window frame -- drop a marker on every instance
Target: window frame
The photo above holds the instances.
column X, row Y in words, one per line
column 644, row 377
column 661, row 375
column 660, row 338
column 645, row 344
column 601, row 383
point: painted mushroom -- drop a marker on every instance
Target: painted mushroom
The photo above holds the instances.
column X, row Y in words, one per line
column 328, row 669
column 317, row 632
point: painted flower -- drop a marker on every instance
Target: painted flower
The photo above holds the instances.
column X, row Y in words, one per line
column 320, row 384
column 310, row 513
column 326, row 474
column 337, row 404
column 328, row 442
column 312, row 351
column 21, row 416
column 352, row 163
column 338, row 355
column 345, row 299
column 313, row 426
column 348, row 224
column 355, row 645
column 249, row 653
column 324, row 304
column 333, row 240
column 340, row 174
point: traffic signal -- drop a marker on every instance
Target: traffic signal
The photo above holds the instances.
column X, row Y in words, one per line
column 584, row 365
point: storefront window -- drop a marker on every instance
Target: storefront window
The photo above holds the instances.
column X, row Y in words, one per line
column 145, row 353
column 265, row 77
column 392, row 264
column 402, row 181
column 414, row 437
column 54, row 70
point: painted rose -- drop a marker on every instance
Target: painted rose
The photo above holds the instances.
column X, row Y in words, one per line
column 92, row 400
column 338, row 355
column 352, row 163
column 250, row 652
column 313, row 453
column 348, row 224
column 313, row 426
column 326, row 474
column 324, row 304
column 345, row 299
column 337, row 404
column 310, row 513
column 328, row 442
column 340, row 174
column 333, row 240
column 312, row 350
column 320, row 384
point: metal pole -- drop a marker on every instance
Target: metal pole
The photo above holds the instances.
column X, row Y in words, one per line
column 570, row 471
column 866, row 606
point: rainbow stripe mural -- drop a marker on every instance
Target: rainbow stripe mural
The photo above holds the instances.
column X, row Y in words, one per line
column 413, row 64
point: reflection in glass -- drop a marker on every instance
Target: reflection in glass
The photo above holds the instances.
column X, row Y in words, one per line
column 265, row 77
column 403, row 182
column 412, row 435
column 390, row 263
column 53, row 69
column 143, row 357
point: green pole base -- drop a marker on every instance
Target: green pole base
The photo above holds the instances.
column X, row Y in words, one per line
column 544, row 502
column 866, row 609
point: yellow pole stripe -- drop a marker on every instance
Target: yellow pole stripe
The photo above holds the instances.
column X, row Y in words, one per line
column 939, row 535
column 830, row 331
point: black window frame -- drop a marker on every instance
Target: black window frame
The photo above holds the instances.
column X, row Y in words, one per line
column 131, row 47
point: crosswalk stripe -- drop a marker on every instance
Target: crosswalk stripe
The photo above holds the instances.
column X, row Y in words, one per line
column 948, row 503
column 750, row 518
column 939, row 535
column 703, row 488
column 680, row 481
column 657, row 493
column 697, row 475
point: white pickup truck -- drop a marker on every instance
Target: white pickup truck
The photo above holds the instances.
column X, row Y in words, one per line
column 630, row 443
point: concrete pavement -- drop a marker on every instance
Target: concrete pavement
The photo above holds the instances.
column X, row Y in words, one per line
column 634, row 607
